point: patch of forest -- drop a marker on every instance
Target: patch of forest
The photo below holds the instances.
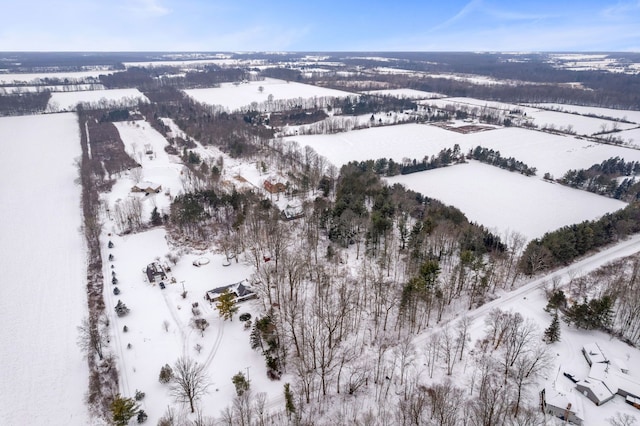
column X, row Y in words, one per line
column 604, row 179
column 24, row 103
column 565, row 245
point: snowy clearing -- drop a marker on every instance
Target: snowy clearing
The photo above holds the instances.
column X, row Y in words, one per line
column 233, row 97
column 505, row 201
column 67, row 101
column 43, row 264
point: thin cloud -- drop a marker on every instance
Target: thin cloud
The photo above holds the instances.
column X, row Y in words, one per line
column 150, row 8
column 466, row 10
column 621, row 10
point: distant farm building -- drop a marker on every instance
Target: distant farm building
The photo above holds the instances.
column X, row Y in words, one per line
column 155, row 271
column 241, row 291
column 147, row 187
column 274, row 187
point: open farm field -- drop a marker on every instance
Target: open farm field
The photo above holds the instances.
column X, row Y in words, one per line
column 405, row 93
column 579, row 124
column 234, row 97
column 621, row 114
column 34, row 78
column 43, row 262
column 504, row 201
column 67, row 101
column 549, row 153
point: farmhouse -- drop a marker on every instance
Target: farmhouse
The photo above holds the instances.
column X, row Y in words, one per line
column 155, row 271
column 606, row 378
column 274, row 187
column 241, row 290
column 147, row 187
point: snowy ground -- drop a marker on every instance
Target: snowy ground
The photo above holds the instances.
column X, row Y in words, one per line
column 506, row 201
column 548, row 153
column 67, row 101
column 542, row 118
column 234, row 97
column 405, row 93
column 71, row 76
column 43, row 376
column 621, row 114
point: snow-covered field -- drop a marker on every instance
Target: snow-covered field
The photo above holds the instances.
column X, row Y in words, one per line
column 67, row 101
column 10, row 90
column 631, row 136
column 621, row 114
column 43, row 376
column 504, row 201
column 233, row 96
column 548, row 153
column 542, row 118
column 405, row 93
column 71, row 76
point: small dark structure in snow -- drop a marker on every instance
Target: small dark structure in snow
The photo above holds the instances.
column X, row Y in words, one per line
column 147, row 187
column 155, row 270
column 241, row 290
column 292, row 212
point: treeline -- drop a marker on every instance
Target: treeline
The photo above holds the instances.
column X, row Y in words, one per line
column 156, row 77
column 489, row 156
column 563, row 246
column 103, row 373
column 369, row 104
column 389, row 167
column 24, row 103
column 603, row 179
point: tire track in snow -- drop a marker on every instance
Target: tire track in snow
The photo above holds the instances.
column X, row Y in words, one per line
column 215, row 347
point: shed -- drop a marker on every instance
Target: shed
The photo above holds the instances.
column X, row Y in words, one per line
column 147, row 187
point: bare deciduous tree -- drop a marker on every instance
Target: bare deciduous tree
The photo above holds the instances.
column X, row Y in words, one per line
column 189, row 382
column 92, row 337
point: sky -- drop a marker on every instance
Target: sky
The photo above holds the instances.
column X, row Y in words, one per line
column 329, row 25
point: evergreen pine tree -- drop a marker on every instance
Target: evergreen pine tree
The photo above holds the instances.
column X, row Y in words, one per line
column 227, row 305
column 552, row 333
column 123, row 409
column 288, row 399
